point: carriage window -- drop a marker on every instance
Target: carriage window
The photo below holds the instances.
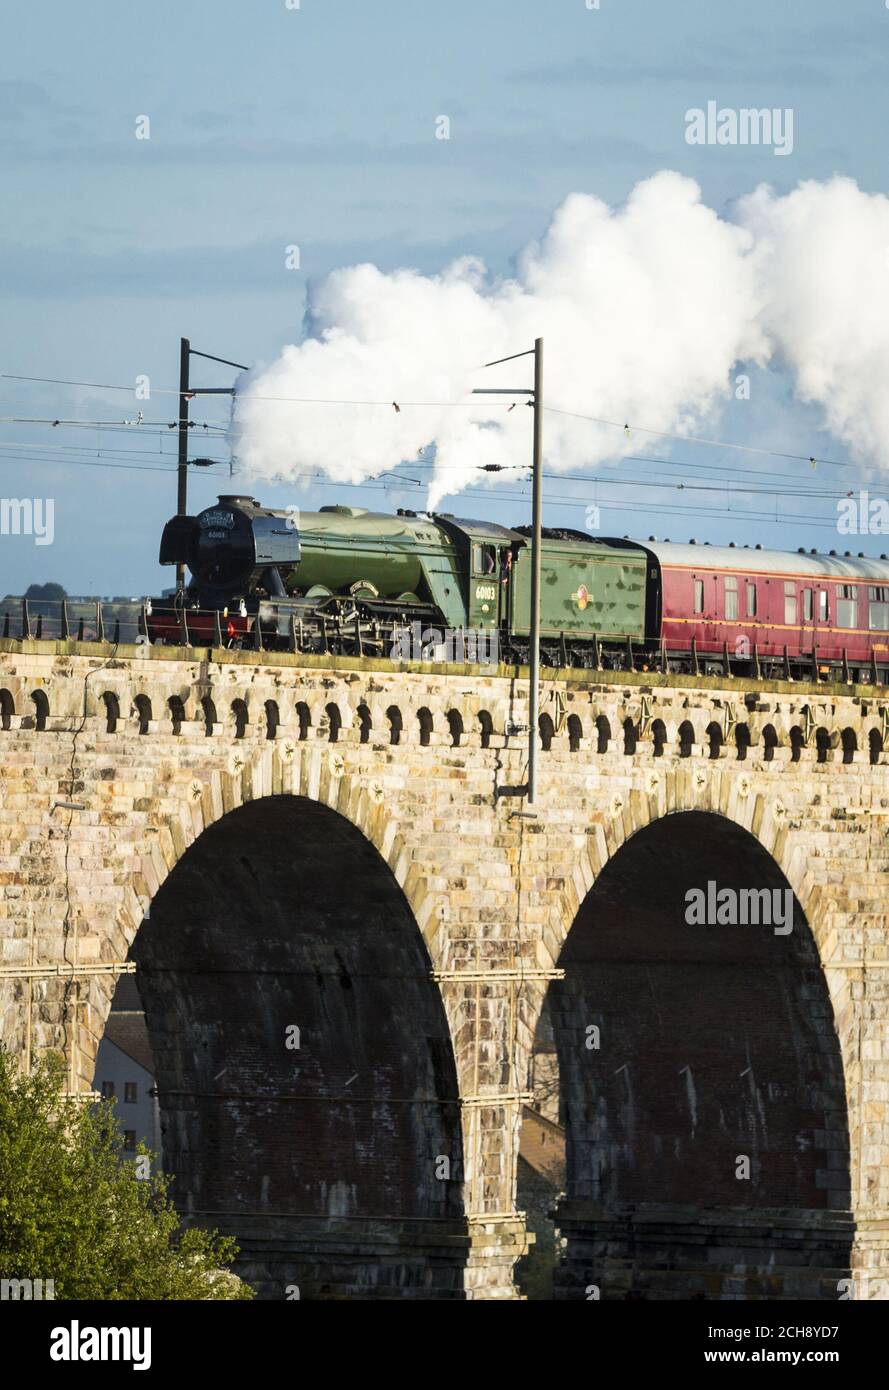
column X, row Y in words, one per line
column 808, row 607
column 847, row 605
column 699, row 595
column 822, row 606
column 731, row 596
column 879, row 608
column 789, row 602
column 751, row 600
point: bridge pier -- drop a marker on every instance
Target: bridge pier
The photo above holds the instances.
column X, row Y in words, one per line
column 669, row 1251
column 327, row 1257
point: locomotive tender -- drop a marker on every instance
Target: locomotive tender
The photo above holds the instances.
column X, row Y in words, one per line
column 348, row 580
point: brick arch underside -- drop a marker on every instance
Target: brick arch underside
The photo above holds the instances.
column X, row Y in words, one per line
column 715, row 1043
column 322, row 1160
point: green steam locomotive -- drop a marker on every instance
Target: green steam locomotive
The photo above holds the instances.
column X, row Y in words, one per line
column 348, row 580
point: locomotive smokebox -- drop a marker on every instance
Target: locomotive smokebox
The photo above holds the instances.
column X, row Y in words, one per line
column 232, row 547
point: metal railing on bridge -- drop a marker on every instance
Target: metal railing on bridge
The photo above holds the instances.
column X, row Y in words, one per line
column 119, row 621
column 81, row 620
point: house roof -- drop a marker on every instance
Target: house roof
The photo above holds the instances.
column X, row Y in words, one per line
column 127, row 1031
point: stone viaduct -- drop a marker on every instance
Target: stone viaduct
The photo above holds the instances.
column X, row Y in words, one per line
column 348, row 927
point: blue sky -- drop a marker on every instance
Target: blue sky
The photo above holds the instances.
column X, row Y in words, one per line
column 272, row 126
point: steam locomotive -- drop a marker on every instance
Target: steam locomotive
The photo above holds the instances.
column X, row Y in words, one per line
column 350, row 581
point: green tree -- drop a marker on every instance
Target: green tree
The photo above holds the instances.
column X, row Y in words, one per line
column 51, row 592
column 74, row 1211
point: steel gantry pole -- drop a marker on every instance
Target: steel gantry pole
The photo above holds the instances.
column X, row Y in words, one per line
column 186, row 393
column 182, row 467
column 536, row 529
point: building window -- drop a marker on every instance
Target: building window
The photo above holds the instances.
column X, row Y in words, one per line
column 731, row 596
column 808, row 606
column 130, row 1092
column 107, row 1090
column 129, row 1140
column 699, row 595
column 879, row 608
column 751, row 600
column 847, row 605
column 790, row 603
column 822, row 606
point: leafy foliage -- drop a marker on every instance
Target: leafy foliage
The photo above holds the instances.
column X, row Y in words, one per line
column 73, row 1210
column 51, row 592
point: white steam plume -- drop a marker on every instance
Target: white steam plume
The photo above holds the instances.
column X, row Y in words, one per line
column 821, row 257
column 645, row 311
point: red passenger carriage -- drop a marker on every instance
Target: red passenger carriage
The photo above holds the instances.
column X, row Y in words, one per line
column 796, row 613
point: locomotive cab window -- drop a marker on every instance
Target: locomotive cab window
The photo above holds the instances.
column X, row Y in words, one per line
column 731, row 596
column 847, row 605
column 699, row 595
column 484, row 559
column 878, row 605
column 751, row 600
column 789, row 603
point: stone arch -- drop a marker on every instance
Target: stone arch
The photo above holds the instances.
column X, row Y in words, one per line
column 658, row 737
column 177, row 713
column 742, row 741
column 112, row 711
column 240, row 717
column 797, row 743
column 424, row 720
column 455, row 725
column 575, row 733
column 769, row 743
column 850, row 745
column 208, row 708
column 686, row 738
column 272, row 719
column 334, row 722
column 142, row 709
column 640, row 1158
column 875, row 745
column 393, row 714
column 823, row 745
column 365, row 723
column 318, row 885
column 631, row 736
column 40, row 701
column 7, row 709
column 485, row 728
column 714, row 740
column 603, row 733
column 546, row 730
column 304, row 719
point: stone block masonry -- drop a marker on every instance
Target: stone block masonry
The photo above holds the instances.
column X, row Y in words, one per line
column 339, row 845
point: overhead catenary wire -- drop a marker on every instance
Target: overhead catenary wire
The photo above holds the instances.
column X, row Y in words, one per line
column 728, row 485
column 718, row 487
column 627, row 426
column 614, row 505
column 144, row 426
